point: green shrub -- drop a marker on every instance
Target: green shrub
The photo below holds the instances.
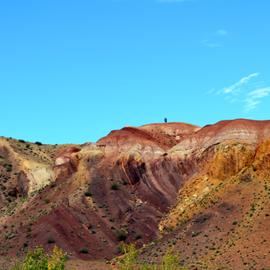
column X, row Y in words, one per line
column 57, row 260
column 84, row 250
column 121, row 235
column 88, row 194
column 114, row 186
column 39, row 260
column 50, row 240
column 8, row 167
column 38, row 143
column 130, row 261
column 130, row 257
column 35, row 260
column 170, row 261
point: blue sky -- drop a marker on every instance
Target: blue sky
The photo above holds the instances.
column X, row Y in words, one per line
column 71, row 71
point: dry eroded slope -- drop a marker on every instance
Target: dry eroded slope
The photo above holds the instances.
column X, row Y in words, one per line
column 203, row 192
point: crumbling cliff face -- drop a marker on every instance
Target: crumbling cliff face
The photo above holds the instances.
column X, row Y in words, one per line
column 174, row 182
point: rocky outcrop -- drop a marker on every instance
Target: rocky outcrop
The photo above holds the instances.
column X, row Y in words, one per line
column 66, row 162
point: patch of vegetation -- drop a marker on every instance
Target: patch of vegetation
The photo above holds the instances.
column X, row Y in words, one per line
column 39, row 260
column 114, row 186
column 46, row 201
column 10, row 209
column 121, row 235
column 88, row 194
column 194, row 234
column 38, row 143
column 124, row 182
column 8, row 167
column 130, row 261
column 50, row 240
column 84, row 250
column 9, row 235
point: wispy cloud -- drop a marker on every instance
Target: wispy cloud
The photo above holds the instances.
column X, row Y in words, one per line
column 255, row 97
column 216, row 39
column 237, row 87
column 249, row 91
column 222, row 32
column 211, row 44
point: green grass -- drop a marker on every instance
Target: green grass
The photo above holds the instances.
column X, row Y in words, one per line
column 39, row 260
column 130, row 261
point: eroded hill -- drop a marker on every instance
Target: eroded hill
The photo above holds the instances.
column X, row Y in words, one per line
column 204, row 192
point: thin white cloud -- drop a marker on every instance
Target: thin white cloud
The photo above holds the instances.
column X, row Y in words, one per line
column 211, row 44
column 255, row 97
column 249, row 92
column 216, row 39
column 222, row 32
column 237, row 87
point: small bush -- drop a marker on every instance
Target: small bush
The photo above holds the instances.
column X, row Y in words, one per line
column 114, row 186
column 195, row 234
column 84, row 250
column 121, row 235
column 57, row 260
column 88, row 194
column 130, row 257
column 50, row 240
column 38, row 143
column 170, row 261
column 46, row 201
column 8, row 167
